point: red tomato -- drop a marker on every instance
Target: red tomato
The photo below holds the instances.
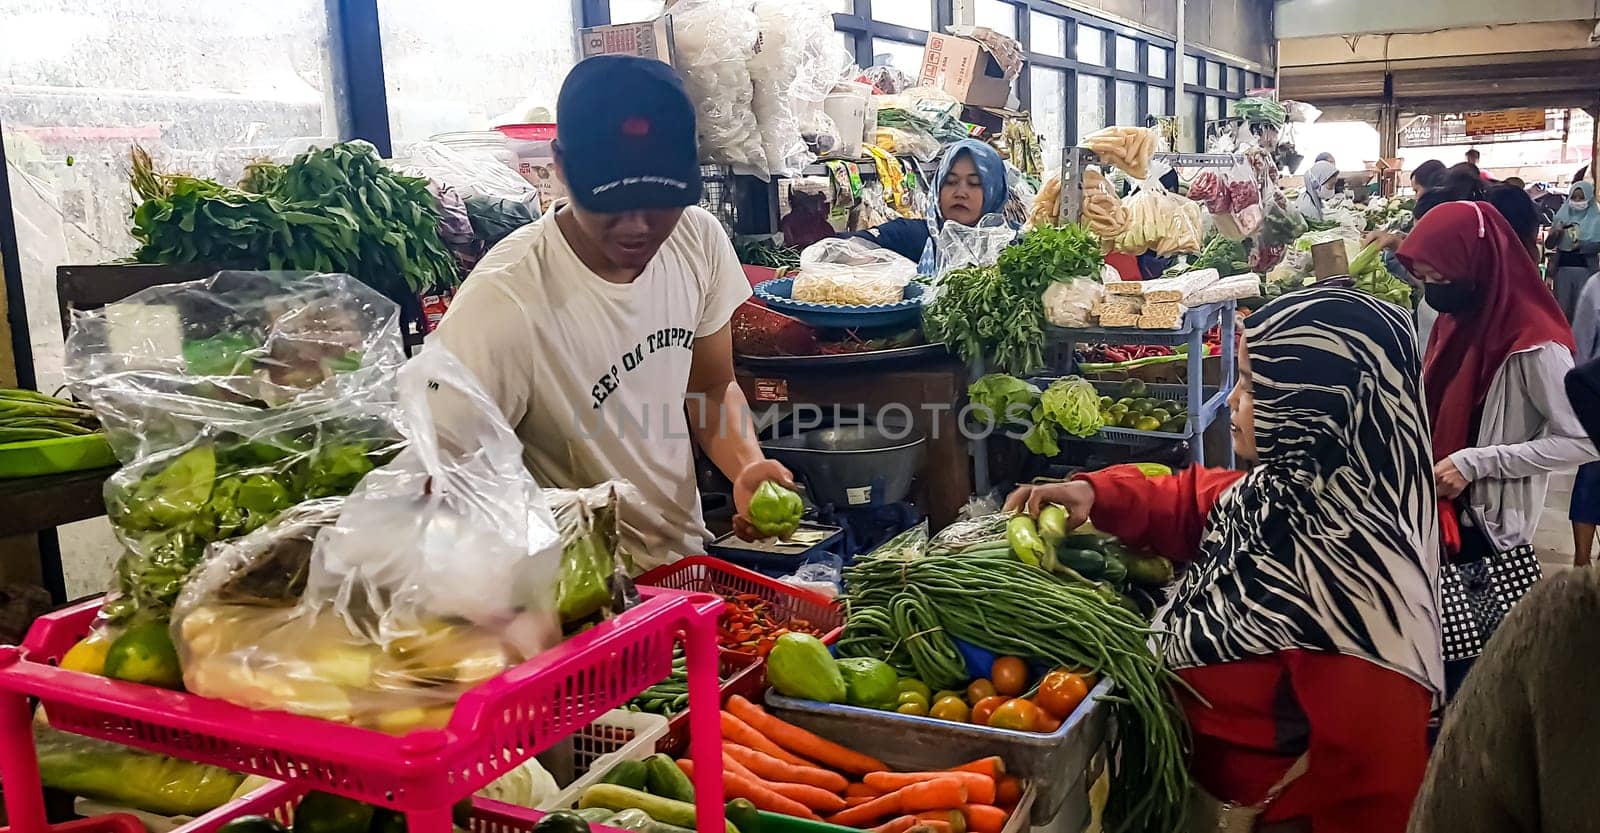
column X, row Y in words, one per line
column 1048, row 723
column 1010, row 676
column 1060, row 692
column 1017, row 714
column 982, row 709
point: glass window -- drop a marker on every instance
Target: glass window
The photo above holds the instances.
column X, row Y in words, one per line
column 916, row 14
column 632, row 11
column 1091, row 103
column 1236, row 79
column 997, row 15
column 1157, row 57
column 518, row 54
column 1127, row 54
column 841, row 6
column 1214, row 77
column 906, row 57
column 1049, row 93
column 1048, row 34
column 1213, row 108
column 1233, row 107
column 1191, row 69
column 1091, row 45
column 204, row 87
column 1128, row 104
column 847, row 40
column 1155, row 101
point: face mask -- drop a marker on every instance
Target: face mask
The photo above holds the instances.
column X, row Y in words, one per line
column 1450, row 297
column 1580, row 205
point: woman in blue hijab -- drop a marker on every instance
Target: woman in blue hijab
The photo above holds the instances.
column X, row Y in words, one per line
column 972, row 183
column 1574, row 243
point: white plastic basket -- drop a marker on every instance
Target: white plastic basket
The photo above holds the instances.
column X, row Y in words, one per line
column 617, row 736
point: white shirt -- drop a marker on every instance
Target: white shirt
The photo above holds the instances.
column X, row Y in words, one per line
column 592, row 375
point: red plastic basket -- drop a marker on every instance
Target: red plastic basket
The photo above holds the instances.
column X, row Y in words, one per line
column 278, row 802
column 495, row 726
column 703, row 574
column 740, row 674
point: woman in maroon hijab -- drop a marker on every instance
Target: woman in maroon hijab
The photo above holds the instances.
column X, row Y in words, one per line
column 1493, row 375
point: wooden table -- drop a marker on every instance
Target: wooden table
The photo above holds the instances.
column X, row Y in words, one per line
column 40, row 504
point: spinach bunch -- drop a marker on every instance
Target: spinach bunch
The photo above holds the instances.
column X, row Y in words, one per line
column 334, row 209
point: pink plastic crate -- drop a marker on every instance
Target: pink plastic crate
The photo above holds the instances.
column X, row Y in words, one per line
column 279, row 800
column 494, row 727
column 704, row 574
column 109, row 823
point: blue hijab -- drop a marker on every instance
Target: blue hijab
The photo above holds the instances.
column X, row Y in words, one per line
column 1587, row 220
column 991, row 170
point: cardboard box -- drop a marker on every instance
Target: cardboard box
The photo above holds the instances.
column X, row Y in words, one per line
column 964, row 68
column 650, row 39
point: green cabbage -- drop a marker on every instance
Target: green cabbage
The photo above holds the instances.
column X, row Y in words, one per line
column 999, row 396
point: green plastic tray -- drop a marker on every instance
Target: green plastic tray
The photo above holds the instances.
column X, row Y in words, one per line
column 40, row 457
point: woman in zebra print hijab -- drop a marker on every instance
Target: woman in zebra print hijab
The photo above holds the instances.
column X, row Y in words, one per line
column 1307, row 621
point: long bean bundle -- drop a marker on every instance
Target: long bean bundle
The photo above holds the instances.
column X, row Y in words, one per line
column 1009, row 607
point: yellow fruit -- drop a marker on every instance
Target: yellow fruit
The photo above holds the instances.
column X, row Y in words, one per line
column 144, row 654
column 89, row 655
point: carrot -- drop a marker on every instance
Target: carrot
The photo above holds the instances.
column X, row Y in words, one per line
column 802, row 742
column 953, row 818
column 738, row 786
column 899, row 824
column 864, row 814
column 856, row 789
column 814, row 798
column 777, row 769
column 984, row 818
column 1007, row 790
column 858, row 800
column 737, row 731
column 993, row 766
column 980, row 788
column 938, row 794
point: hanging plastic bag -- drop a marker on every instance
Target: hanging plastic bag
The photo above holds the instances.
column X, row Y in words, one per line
column 1128, row 148
column 796, row 61
column 851, row 272
column 1103, row 214
column 441, row 571
column 228, row 401
column 1162, row 222
column 713, row 42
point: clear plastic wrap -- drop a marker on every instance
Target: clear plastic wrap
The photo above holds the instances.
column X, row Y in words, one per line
column 1162, row 222
column 957, row 245
column 129, row 778
column 793, row 69
column 850, row 272
column 1103, row 213
column 1127, row 148
column 441, row 570
column 229, row 400
column 476, row 175
column 595, row 558
column 1068, row 303
column 714, row 41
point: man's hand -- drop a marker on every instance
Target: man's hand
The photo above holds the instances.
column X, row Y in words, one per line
column 1449, row 479
column 745, row 484
column 1385, row 239
column 1075, row 496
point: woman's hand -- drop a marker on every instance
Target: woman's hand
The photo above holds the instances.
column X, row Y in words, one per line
column 1449, row 479
column 1075, row 496
column 744, row 487
column 1385, row 239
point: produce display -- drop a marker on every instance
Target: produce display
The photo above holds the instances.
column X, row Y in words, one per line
column 1161, row 222
column 1374, row 278
column 1067, row 405
column 1261, row 110
column 1103, row 214
column 851, row 272
column 27, row 415
column 334, row 209
column 1002, row 399
column 772, row 765
column 1139, row 412
column 911, row 602
column 996, row 313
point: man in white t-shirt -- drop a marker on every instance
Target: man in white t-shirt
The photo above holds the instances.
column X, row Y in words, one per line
column 602, row 329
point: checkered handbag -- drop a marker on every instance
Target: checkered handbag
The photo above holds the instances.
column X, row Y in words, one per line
column 1479, row 588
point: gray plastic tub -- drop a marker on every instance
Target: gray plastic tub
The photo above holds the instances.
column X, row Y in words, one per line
column 1056, row 763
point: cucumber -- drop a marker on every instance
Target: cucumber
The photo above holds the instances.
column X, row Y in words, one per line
column 665, row 810
column 562, row 821
column 1084, row 541
column 742, row 814
column 595, row 815
column 1091, row 563
column 631, row 774
column 663, row 778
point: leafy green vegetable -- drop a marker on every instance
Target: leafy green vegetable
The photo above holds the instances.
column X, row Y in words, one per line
column 334, row 209
column 1373, row 277
column 1000, row 398
column 1049, row 254
column 1071, row 405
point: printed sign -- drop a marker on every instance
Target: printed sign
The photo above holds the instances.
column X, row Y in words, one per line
column 1504, row 121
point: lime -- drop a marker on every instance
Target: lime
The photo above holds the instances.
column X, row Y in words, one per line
column 1133, row 388
column 144, row 654
column 1146, row 423
column 1131, row 420
column 1161, row 414
column 1106, row 402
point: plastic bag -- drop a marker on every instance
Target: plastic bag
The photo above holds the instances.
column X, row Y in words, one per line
column 1162, row 222
column 1067, row 303
column 851, row 271
column 714, row 41
column 470, row 174
column 1128, row 148
column 229, row 400
column 454, row 527
column 595, row 561
column 1102, row 214
column 902, row 141
column 130, row 778
column 957, row 245
column 793, row 69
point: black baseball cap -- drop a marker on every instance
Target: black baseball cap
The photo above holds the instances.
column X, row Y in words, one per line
column 625, row 129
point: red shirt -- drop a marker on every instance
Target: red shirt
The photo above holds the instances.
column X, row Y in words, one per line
column 1364, row 726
